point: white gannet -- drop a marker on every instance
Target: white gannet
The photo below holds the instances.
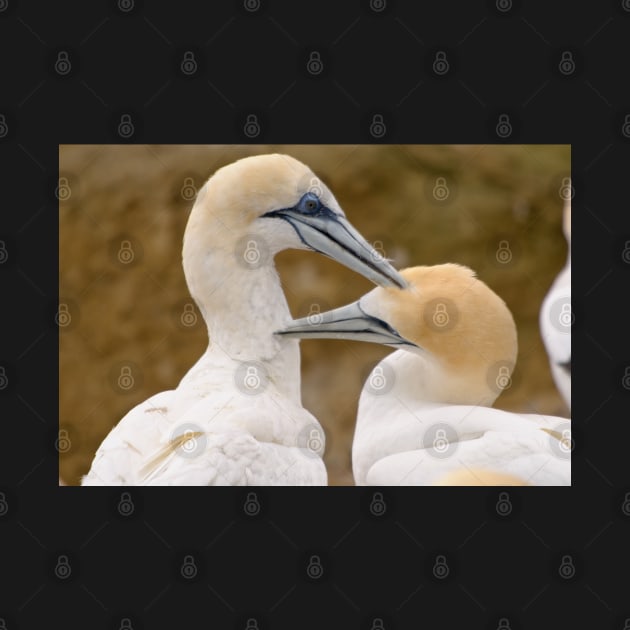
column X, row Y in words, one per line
column 556, row 318
column 425, row 409
column 236, row 417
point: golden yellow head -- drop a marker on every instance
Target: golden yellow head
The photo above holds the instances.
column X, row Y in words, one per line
column 450, row 313
column 242, row 191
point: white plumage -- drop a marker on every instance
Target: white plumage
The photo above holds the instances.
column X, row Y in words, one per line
column 556, row 318
column 236, row 417
column 424, row 411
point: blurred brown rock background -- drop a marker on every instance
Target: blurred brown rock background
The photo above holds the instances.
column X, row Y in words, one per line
column 122, row 214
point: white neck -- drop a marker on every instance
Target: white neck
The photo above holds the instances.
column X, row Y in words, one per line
column 242, row 308
column 419, row 378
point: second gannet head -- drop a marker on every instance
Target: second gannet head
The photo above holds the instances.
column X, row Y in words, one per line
column 463, row 332
column 257, row 206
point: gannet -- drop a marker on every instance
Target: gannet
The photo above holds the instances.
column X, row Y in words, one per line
column 425, row 409
column 236, row 417
column 556, row 318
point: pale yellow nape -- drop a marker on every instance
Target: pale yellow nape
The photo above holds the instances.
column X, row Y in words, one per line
column 481, row 332
column 479, row 477
column 244, row 190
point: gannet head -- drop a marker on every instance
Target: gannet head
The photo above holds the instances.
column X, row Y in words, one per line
column 271, row 203
column 446, row 315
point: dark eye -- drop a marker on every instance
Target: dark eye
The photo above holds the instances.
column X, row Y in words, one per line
column 310, row 205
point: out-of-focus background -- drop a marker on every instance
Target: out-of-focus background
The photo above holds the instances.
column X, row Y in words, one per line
column 125, row 310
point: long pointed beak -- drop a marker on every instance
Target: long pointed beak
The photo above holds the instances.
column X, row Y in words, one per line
column 333, row 235
column 347, row 322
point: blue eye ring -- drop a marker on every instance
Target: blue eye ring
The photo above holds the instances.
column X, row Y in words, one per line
column 309, row 204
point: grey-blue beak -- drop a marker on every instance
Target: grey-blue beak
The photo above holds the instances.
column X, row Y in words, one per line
column 329, row 233
column 347, row 322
